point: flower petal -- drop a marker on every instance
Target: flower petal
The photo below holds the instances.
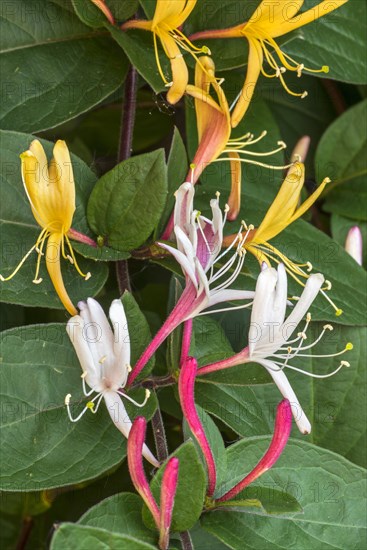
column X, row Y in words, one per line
column 121, row 343
column 255, row 60
column 54, row 271
column 74, row 328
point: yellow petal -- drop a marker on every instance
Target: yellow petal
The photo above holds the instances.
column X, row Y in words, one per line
column 62, row 179
column 34, row 186
column 166, row 10
column 178, row 20
column 180, row 74
column 284, row 205
column 234, row 199
column 54, row 271
column 310, row 200
column 255, row 60
column 272, row 13
column 307, row 17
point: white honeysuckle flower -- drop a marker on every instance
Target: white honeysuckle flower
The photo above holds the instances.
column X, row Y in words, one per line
column 199, row 248
column 270, row 335
column 104, row 356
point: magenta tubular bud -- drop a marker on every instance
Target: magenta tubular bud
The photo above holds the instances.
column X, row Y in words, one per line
column 282, row 430
column 300, row 150
column 81, row 238
column 168, row 493
column 135, row 444
column 186, row 384
column 354, row 245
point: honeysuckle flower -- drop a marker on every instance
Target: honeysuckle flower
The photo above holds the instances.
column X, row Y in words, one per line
column 162, row 516
column 50, row 190
column 104, row 357
column 270, row 343
column 104, row 9
column 214, row 133
column 270, row 20
column 354, row 245
column 284, row 210
column 282, row 430
column 186, row 385
column 199, row 243
column 168, row 17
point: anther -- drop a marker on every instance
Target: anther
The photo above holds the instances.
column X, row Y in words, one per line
column 300, row 69
column 338, row 312
column 328, row 327
column 305, row 94
column 251, row 227
column 283, row 70
column 206, row 50
column 129, row 368
column 349, row 346
column 308, row 317
column 70, row 259
column 309, row 266
column 344, row 364
column 226, row 208
column 2, row 278
column 302, row 335
column 102, row 359
column 67, row 399
column 88, row 276
column 84, row 375
column 289, row 349
column 168, row 85
column 147, row 393
column 37, row 281
column 328, row 285
column 325, row 69
column 90, row 405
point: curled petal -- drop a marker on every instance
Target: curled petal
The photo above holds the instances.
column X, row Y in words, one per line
column 168, row 493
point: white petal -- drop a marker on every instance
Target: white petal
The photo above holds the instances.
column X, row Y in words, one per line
column 308, row 295
column 183, row 207
column 120, row 418
column 280, row 299
column 99, row 338
column 184, row 244
column 262, row 307
column 229, row 295
column 121, row 344
column 217, row 221
column 286, row 390
column 187, row 268
column 74, row 328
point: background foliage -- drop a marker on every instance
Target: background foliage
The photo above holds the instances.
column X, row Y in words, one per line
column 65, row 69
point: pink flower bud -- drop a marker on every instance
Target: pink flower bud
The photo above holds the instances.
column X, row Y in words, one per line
column 168, row 493
column 353, row 244
column 186, row 385
column 135, row 444
column 282, row 430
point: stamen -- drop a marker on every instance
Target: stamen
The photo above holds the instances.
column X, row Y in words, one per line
column 37, row 281
column 102, row 359
column 147, row 395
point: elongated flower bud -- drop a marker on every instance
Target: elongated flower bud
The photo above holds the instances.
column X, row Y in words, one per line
column 353, row 244
column 168, row 493
column 282, row 430
column 186, row 385
column 135, row 444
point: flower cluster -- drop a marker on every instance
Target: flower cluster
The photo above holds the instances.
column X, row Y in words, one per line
column 212, row 258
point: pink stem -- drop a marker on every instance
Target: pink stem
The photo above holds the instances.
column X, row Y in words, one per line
column 179, row 313
column 81, row 238
column 168, row 493
column 135, row 444
column 186, row 385
column 186, row 340
column 282, row 430
column 238, row 359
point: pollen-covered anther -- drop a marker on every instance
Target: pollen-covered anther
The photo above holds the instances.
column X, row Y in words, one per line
column 102, row 359
column 300, row 69
column 338, row 312
column 349, row 346
column 217, row 194
column 302, row 335
column 282, row 144
column 309, row 266
column 282, row 70
column 88, row 276
column 169, row 84
column 129, row 368
column 67, row 399
column 70, row 259
column 39, row 251
column 90, row 405
column 37, row 281
column 206, row 50
column 305, row 94
column 147, row 393
column 325, row 69
column 328, row 285
column 226, row 208
column 328, row 327
column 344, row 364
column 289, row 349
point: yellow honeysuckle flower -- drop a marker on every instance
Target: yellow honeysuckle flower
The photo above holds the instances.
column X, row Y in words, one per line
column 271, row 19
column 168, row 17
column 51, row 193
column 284, row 210
column 214, row 131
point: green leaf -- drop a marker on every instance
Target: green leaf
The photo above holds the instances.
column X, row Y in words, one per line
column 139, row 332
column 126, row 203
column 340, row 227
column 177, row 167
column 69, row 535
column 41, row 93
column 341, row 156
column 237, row 407
column 139, row 48
column 19, row 232
column 272, row 502
column 89, row 14
column 39, row 367
column 189, row 495
column 332, row 405
column 121, row 514
column 328, row 487
column 216, row 443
